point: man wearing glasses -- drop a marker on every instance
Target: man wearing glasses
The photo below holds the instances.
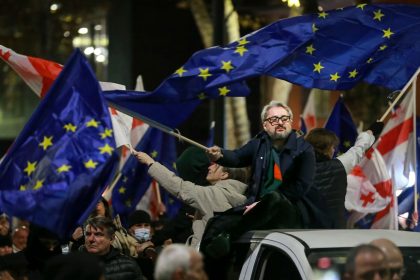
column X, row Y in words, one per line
column 283, row 167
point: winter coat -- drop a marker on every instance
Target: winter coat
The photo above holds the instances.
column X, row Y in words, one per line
column 297, row 165
column 330, row 184
column 220, row 197
column 119, row 266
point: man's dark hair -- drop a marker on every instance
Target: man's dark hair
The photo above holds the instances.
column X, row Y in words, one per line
column 322, row 139
column 103, row 223
column 354, row 252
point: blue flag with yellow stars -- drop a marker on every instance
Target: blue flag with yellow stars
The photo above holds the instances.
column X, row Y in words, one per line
column 60, row 163
column 341, row 123
column 331, row 50
column 134, row 180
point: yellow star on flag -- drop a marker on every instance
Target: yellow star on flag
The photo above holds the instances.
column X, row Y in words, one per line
column 122, row 190
column 70, row 127
column 63, row 168
column 223, row 91
column 107, row 133
column 242, row 42
column 318, row 67
column 154, row 154
column 92, row 123
column 91, row 164
column 322, row 14
column 22, row 188
column 361, row 6
column 353, row 74
column 204, row 73
column 241, row 50
column 106, row 149
column 387, row 33
column 46, row 142
column 30, row 167
column 383, row 47
column 202, row 96
column 334, row 77
column 174, row 165
column 227, row 65
column 39, row 184
column 314, row 28
column 378, row 15
column 180, row 71
column 369, row 60
column 310, row 49
column 128, row 203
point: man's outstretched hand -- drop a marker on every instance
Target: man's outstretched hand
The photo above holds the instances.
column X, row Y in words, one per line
column 143, row 157
column 214, row 153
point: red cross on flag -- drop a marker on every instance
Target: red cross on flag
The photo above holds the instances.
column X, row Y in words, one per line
column 369, row 187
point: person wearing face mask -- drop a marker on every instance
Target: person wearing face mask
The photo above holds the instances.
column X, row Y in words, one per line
column 139, row 226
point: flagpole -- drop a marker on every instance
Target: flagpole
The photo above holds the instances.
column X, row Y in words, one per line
column 399, row 96
column 158, row 126
column 415, row 140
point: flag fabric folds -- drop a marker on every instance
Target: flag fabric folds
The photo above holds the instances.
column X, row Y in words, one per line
column 397, row 147
column 331, row 50
column 134, row 180
column 57, row 168
column 369, row 186
column 397, row 142
column 341, row 123
column 370, row 194
column 39, row 74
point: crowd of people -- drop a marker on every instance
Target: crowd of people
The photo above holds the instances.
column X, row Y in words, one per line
column 279, row 179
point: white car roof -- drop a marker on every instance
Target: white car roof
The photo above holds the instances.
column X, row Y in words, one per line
column 315, row 239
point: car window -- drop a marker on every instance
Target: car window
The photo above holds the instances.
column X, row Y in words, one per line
column 411, row 262
column 274, row 264
column 337, row 257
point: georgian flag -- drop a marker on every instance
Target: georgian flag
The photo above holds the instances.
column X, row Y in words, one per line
column 397, row 147
column 369, row 186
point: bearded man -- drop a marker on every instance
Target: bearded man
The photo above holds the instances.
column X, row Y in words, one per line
column 283, row 168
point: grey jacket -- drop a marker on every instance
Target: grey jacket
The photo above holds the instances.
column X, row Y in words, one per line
column 220, row 197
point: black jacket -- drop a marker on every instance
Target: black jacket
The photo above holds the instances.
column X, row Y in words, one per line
column 297, row 164
column 119, row 266
column 331, row 185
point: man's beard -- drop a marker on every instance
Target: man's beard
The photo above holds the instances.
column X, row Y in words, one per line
column 280, row 135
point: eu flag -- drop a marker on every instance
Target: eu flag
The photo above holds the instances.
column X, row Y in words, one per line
column 341, row 123
column 334, row 50
column 59, row 165
column 134, row 180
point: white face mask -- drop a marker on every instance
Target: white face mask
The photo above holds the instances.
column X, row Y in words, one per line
column 142, row 234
